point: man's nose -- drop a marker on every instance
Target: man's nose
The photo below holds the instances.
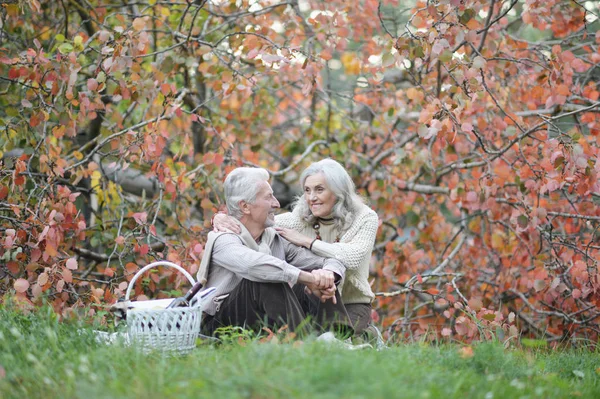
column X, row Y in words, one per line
column 275, row 203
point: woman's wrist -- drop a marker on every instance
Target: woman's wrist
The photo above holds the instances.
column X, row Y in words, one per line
column 311, row 244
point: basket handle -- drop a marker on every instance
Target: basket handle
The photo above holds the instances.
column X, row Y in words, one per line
column 156, row 264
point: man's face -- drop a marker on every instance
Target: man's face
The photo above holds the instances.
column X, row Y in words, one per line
column 262, row 211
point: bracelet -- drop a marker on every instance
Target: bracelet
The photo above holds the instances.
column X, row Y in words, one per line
column 311, row 244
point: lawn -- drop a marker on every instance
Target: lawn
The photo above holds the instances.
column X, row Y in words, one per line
column 41, row 357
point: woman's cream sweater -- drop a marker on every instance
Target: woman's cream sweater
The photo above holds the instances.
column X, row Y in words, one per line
column 354, row 249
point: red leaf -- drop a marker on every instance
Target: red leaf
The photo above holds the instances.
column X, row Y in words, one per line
column 13, row 267
column 67, row 275
column 92, row 84
column 13, row 73
column 140, row 217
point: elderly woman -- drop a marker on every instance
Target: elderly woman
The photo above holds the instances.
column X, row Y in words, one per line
column 332, row 221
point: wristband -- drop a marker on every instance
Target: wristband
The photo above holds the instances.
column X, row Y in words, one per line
column 311, row 244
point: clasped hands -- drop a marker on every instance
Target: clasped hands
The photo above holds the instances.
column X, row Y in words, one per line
column 323, row 285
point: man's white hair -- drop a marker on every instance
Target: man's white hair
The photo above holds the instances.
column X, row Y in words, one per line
column 242, row 184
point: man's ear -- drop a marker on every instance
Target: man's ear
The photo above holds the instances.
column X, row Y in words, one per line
column 244, row 207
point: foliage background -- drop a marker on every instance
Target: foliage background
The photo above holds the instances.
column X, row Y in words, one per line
column 471, row 127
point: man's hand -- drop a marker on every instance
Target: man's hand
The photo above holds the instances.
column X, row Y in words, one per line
column 323, row 295
column 324, row 279
column 320, row 283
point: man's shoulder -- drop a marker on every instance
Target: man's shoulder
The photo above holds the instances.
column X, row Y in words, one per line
column 224, row 238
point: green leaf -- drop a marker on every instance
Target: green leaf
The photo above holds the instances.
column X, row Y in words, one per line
column 445, row 56
column 387, row 60
column 65, row 48
column 523, row 220
column 412, row 219
column 466, row 16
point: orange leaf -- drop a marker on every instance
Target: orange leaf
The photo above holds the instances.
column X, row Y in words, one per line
column 67, row 275
column 563, row 90
column 42, row 279
column 326, row 55
column 131, row 268
column 466, row 352
column 50, row 250
column 139, row 24
column 206, row 203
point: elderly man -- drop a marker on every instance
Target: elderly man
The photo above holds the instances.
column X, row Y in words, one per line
column 253, row 271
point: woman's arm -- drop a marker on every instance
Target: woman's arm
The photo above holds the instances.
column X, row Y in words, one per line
column 352, row 253
column 288, row 220
column 222, row 222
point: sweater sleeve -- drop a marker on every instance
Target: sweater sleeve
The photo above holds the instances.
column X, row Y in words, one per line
column 289, row 220
column 305, row 259
column 359, row 246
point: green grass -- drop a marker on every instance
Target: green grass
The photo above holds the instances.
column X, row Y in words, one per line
column 42, row 357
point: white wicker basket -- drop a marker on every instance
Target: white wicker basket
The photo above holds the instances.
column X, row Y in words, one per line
column 152, row 327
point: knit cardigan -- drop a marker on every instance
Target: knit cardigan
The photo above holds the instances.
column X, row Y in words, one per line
column 354, row 250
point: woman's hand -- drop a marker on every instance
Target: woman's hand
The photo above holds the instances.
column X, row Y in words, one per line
column 226, row 224
column 294, row 237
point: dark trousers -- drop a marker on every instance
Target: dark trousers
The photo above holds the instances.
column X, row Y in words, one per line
column 360, row 316
column 255, row 305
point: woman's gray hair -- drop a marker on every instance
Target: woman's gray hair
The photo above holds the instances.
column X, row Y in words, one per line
column 242, row 184
column 339, row 182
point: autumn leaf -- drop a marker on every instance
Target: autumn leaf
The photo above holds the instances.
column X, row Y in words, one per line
column 140, row 217
column 72, row 264
column 139, row 24
column 21, row 285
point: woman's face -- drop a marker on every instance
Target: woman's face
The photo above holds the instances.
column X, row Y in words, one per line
column 319, row 197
